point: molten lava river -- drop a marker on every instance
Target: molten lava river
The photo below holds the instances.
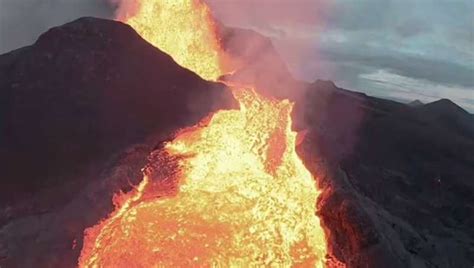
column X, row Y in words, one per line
column 243, row 198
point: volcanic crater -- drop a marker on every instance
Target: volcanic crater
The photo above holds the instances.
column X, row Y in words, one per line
column 199, row 154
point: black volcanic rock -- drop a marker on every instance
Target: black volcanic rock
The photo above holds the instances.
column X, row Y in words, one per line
column 85, row 90
column 398, row 180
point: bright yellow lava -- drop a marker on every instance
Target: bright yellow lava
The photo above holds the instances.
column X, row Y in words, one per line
column 245, row 199
column 190, row 36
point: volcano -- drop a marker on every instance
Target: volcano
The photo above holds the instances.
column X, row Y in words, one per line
column 237, row 193
column 91, row 103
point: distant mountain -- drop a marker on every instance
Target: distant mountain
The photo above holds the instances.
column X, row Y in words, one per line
column 415, row 103
column 449, row 115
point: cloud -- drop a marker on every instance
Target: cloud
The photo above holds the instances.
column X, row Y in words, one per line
column 342, row 40
column 405, row 64
column 407, row 89
column 22, row 21
column 270, row 13
column 412, row 27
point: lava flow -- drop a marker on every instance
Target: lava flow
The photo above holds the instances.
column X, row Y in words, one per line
column 244, row 197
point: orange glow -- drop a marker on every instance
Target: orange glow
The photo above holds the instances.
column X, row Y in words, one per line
column 190, row 36
column 244, row 197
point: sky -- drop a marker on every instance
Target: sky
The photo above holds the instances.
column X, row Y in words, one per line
column 397, row 49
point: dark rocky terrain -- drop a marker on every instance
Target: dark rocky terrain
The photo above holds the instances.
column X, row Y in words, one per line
column 82, row 108
column 399, row 179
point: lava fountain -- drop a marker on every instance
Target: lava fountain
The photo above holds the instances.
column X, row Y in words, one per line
column 243, row 197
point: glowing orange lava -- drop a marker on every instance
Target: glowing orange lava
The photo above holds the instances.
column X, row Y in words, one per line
column 245, row 199
column 183, row 29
